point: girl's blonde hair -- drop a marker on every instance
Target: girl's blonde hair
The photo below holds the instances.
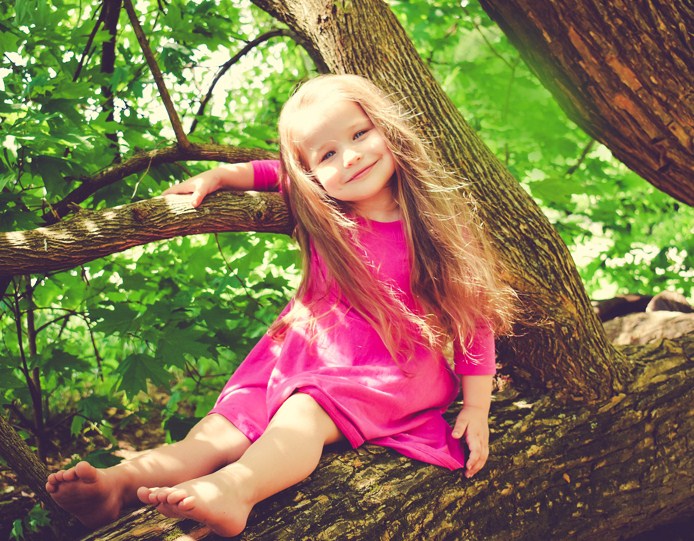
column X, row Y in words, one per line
column 453, row 274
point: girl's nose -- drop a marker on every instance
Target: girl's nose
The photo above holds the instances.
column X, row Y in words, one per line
column 351, row 157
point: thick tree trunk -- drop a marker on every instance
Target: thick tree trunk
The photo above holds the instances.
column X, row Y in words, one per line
column 622, row 71
column 584, row 472
column 564, row 348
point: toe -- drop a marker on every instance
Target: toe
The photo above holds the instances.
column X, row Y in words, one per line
column 85, row 471
column 144, row 494
column 176, row 496
column 187, row 504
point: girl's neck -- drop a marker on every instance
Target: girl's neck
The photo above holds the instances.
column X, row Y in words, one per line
column 385, row 209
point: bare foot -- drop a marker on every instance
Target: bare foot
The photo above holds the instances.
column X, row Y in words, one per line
column 215, row 500
column 87, row 493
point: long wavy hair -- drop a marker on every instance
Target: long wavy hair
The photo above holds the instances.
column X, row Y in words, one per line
column 454, row 274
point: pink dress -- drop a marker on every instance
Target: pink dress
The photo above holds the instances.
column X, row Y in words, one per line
column 343, row 364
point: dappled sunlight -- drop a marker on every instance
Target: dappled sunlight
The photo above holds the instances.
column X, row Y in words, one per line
column 173, row 201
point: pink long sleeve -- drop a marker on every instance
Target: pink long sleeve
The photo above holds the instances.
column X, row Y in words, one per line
column 480, row 358
column 266, row 175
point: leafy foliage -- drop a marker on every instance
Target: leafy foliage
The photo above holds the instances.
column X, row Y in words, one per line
column 181, row 315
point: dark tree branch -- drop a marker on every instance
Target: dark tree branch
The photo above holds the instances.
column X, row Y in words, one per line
column 233, row 60
column 584, row 154
column 158, row 77
column 621, row 71
column 88, row 46
column 111, row 12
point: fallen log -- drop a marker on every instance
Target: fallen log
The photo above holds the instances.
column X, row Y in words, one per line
column 610, row 470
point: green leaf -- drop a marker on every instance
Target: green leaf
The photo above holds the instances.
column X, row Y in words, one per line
column 176, row 344
column 93, row 407
column 135, row 370
column 103, row 458
column 62, row 362
column 17, row 531
column 8, row 42
column 121, row 318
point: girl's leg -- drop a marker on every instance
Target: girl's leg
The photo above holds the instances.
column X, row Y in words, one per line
column 96, row 496
column 286, row 453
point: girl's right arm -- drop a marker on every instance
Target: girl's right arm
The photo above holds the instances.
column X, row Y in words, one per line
column 237, row 176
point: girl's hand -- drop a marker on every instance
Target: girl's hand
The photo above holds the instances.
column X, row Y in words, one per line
column 473, row 423
column 199, row 185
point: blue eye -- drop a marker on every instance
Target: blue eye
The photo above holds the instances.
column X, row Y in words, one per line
column 360, row 133
column 327, row 155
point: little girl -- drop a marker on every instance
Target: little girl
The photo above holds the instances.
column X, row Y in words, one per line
column 395, row 270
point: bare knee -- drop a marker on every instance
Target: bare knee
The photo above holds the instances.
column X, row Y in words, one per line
column 217, row 431
column 305, row 406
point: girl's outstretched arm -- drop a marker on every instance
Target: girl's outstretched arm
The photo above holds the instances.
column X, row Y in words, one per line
column 473, row 420
column 236, row 176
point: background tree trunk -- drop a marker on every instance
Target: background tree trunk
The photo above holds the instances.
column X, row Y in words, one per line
column 563, row 348
column 555, row 472
column 620, row 70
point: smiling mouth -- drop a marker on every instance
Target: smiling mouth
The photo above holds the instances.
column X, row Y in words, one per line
column 361, row 173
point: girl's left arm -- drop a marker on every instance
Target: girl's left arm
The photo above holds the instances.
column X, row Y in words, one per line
column 473, row 420
column 476, row 367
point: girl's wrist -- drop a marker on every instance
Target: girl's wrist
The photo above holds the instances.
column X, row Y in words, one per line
column 482, row 408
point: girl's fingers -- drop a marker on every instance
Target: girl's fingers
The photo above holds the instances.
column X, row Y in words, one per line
column 176, row 189
column 479, row 452
column 197, row 198
column 459, row 428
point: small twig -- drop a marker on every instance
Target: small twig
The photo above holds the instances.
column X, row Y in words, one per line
column 233, row 60
column 584, row 154
column 88, row 46
column 158, row 77
column 230, row 268
column 491, row 47
column 63, row 317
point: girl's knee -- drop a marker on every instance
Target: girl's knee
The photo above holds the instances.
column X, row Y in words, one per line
column 215, row 427
column 305, row 406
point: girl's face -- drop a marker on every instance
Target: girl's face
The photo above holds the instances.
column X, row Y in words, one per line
column 348, row 156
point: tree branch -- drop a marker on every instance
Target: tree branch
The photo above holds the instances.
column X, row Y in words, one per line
column 158, row 77
column 88, row 46
column 90, row 235
column 584, row 154
column 233, row 60
column 144, row 160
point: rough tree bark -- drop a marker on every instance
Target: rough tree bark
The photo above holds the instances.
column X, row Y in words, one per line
column 595, row 456
column 88, row 235
column 622, row 71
